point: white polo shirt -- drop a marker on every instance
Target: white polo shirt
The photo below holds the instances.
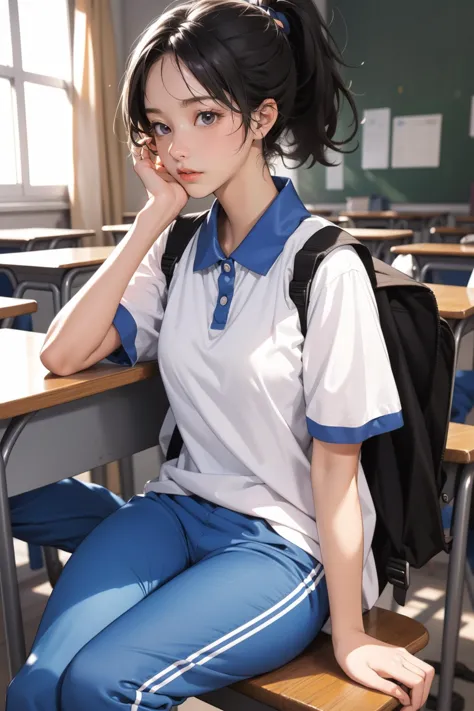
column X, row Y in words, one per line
column 247, row 391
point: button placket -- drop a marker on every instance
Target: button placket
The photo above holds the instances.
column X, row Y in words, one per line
column 225, row 294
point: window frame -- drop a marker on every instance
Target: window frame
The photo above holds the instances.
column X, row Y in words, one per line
column 24, row 191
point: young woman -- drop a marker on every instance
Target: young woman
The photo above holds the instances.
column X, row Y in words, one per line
column 219, row 572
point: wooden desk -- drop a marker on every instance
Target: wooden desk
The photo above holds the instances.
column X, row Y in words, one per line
column 392, row 215
column 11, row 308
column 28, row 238
column 129, row 217
column 419, row 222
column 116, row 231
column 341, row 221
column 454, row 302
column 429, row 256
column 49, row 431
column 456, row 305
column 448, row 234
column 370, row 215
column 465, row 220
column 52, row 270
column 320, row 211
column 379, row 241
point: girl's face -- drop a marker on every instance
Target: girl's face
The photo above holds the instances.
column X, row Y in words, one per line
column 192, row 132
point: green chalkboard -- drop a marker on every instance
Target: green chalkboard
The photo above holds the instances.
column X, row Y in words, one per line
column 415, row 57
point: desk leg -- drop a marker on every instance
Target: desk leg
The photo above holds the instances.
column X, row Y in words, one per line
column 455, row 587
column 12, row 618
column 99, row 475
column 459, row 330
column 378, row 250
column 127, row 484
column 39, row 286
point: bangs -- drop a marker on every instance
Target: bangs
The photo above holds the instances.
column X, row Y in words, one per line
column 206, row 58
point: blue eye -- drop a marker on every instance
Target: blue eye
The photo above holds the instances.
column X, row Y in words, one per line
column 209, row 117
column 159, row 127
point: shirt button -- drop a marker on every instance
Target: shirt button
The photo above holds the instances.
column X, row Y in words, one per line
column 227, row 267
column 223, row 300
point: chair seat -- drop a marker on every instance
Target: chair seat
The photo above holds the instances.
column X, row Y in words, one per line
column 314, row 681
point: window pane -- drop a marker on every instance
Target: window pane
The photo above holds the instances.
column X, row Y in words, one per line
column 9, row 173
column 5, row 36
column 44, row 31
column 49, row 134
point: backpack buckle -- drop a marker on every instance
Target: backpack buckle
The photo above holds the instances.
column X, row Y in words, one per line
column 398, row 574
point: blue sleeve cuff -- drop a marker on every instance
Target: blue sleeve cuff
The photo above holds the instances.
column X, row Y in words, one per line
column 125, row 324
column 355, row 435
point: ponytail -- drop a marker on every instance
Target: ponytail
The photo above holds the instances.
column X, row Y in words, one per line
column 320, row 91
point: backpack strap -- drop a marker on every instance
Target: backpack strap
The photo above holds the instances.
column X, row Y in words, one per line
column 310, row 256
column 180, row 234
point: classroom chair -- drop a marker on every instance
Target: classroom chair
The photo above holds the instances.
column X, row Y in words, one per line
column 313, row 681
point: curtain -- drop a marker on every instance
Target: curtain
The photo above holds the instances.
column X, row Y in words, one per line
column 97, row 185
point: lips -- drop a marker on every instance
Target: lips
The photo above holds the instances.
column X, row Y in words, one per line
column 188, row 176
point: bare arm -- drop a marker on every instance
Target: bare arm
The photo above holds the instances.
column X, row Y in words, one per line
column 82, row 332
column 338, row 513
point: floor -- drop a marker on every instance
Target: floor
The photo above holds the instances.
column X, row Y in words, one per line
column 425, row 603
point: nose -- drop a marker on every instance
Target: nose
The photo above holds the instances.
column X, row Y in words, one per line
column 178, row 148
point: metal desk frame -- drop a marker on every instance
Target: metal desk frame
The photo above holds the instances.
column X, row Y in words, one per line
column 42, row 447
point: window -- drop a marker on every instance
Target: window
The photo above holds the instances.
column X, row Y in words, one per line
column 35, row 99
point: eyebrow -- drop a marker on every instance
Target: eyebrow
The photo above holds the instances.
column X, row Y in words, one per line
column 184, row 103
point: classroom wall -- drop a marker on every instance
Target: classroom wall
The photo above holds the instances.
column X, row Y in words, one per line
column 413, row 58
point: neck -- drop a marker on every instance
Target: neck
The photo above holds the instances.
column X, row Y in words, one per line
column 244, row 199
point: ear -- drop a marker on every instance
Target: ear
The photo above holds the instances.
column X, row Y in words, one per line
column 264, row 118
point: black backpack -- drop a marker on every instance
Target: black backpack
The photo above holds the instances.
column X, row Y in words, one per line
column 403, row 468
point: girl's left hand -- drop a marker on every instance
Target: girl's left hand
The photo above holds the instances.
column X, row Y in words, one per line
column 374, row 663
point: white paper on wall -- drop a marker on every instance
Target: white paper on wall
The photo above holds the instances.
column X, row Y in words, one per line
column 416, row 141
column 335, row 173
column 376, row 139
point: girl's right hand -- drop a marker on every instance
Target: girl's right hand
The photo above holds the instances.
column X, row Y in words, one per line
column 161, row 187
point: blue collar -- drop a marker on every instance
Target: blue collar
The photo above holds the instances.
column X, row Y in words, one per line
column 265, row 241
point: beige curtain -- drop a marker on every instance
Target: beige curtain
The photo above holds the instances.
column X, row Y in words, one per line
column 97, row 188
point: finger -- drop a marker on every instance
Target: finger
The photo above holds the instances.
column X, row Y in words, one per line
column 397, row 670
column 429, row 676
column 386, row 686
column 426, row 670
column 136, row 154
column 159, row 167
column 418, row 691
column 411, row 679
column 144, row 140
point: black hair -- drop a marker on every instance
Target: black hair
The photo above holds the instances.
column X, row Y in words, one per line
column 241, row 56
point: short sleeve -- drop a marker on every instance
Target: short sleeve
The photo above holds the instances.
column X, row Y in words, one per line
column 140, row 312
column 349, row 387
